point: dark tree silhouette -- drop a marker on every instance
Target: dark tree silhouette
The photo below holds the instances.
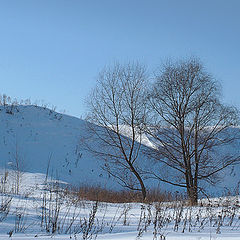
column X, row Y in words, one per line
column 117, row 111
column 189, row 125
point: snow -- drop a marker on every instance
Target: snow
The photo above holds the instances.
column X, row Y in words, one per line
column 115, row 221
column 36, row 140
column 37, row 137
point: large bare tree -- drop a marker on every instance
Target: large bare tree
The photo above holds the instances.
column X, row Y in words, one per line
column 189, row 126
column 117, row 112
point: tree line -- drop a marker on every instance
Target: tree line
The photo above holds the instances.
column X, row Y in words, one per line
column 179, row 109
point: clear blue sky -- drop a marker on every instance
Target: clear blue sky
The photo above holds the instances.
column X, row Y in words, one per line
column 54, row 49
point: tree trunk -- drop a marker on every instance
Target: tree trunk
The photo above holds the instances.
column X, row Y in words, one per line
column 192, row 195
column 144, row 192
column 143, row 188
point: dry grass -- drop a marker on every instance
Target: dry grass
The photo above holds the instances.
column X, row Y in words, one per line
column 93, row 193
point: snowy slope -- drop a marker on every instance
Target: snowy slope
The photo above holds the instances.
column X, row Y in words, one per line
column 35, row 137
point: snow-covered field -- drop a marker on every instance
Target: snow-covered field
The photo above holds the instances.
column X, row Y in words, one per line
column 41, row 210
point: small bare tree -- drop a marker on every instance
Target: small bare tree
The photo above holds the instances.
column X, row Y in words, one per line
column 189, row 125
column 117, row 112
column 17, row 165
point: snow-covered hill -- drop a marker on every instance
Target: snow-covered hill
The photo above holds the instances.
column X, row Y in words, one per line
column 33, row 138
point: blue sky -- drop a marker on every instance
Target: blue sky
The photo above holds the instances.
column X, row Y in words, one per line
column 52, row 50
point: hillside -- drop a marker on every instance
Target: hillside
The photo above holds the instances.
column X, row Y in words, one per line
column 34, row 137
column 37, row 137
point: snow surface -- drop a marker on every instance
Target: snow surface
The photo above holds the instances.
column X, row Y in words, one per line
column 38, row 137
column 34, row 140
column 217, row 218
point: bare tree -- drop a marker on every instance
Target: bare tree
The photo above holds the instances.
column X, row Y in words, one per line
column 17, row 165
column 189, row 126
column 117, row 111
